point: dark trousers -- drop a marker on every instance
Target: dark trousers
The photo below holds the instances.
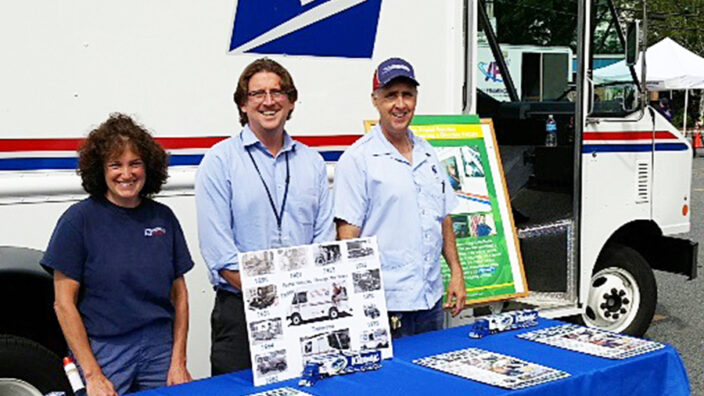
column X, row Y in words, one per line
column 229, row 349
column 417, row 322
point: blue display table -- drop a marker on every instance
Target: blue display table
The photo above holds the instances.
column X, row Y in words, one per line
column 656, row 373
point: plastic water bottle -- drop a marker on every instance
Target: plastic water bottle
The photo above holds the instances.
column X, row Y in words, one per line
column 74, row 378
column 550, row 132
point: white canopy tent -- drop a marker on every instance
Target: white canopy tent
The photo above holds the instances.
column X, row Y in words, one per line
column 669, row 67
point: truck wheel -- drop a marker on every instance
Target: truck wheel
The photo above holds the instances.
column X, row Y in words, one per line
column 333, row 314
column 17, row 387
column 295, row 319
column 623, row 292
column 30, row 362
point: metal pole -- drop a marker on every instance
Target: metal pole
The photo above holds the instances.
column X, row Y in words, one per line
column 584, row 12
column 684, row 115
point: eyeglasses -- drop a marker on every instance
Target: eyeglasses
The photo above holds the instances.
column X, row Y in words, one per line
column 259, row 96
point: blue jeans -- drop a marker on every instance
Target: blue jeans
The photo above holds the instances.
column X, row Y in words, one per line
column 136, row 361
column 416, row 322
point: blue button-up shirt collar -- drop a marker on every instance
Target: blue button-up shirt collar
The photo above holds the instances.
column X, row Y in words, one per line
column 380, row 145
column 250, row 139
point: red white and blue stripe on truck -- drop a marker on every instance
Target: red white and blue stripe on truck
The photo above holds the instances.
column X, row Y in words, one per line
column 36, row 154
column 630, row 142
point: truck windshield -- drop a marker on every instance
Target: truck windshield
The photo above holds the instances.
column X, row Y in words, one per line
column 615, row 87
column 538, row 44
column 537, row 41
column 300, row 298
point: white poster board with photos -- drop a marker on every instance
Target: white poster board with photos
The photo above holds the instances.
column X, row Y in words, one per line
column 308, row 300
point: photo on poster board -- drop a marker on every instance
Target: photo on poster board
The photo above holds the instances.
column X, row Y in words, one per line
column 303, row 301
column 485, row 234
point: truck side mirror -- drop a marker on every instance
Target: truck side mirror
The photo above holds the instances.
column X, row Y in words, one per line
column 630, row 99
column 632, row 42
column 593, row 97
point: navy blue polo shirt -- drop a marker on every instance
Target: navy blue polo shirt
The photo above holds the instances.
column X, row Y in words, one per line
column 126, row 260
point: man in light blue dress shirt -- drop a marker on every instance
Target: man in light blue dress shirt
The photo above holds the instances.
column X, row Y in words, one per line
column 390, row 184
column 257, row 190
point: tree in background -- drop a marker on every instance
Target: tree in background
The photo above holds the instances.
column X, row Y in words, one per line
column 681, row 20
column 553, row 22
column 536, row 22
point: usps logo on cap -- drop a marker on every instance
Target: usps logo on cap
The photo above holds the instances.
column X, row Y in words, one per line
column 398, row 66
column 390, row 69
column 306, row 27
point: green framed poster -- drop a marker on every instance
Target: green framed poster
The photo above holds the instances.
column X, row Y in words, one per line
column 487, row 242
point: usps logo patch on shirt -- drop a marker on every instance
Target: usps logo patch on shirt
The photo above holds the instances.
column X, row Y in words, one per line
column 156, row 231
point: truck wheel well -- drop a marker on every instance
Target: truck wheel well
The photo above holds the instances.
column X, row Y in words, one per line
column 27, row 299
column 639, row 235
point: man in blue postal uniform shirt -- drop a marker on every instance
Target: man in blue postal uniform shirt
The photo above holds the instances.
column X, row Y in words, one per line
column 256, row 190
column 390, row 184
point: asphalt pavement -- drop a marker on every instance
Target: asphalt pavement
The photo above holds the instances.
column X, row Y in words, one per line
column 679, row 315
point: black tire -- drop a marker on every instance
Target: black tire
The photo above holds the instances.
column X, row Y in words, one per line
column 333, row 314
column 295, row 319
column 623, row 293
column 29, row 361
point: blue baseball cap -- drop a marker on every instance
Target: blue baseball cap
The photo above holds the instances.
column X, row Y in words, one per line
column 390, row 70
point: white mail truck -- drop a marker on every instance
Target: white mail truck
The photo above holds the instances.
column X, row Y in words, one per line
column 323, row 301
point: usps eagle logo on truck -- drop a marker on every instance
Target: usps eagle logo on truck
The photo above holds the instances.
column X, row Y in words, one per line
column 342, row 28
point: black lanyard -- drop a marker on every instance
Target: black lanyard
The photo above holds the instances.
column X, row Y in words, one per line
column 279, row 216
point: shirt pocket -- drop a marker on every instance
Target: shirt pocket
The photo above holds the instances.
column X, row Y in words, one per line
column 400, row 269
column 304, row 206
column 433, row 196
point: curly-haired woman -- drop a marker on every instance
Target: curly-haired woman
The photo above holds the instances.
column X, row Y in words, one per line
column 119, row 259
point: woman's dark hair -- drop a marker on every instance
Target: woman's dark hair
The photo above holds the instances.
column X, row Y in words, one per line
column 109, row 140
column 263, row 65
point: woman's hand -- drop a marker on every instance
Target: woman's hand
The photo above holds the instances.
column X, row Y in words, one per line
column 178, row 374
column 99, row 385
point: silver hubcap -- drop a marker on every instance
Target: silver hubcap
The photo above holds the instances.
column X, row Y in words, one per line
column 613, row 300
column 17, row 387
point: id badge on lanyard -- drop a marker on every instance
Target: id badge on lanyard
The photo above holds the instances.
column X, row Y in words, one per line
column 279, row 239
